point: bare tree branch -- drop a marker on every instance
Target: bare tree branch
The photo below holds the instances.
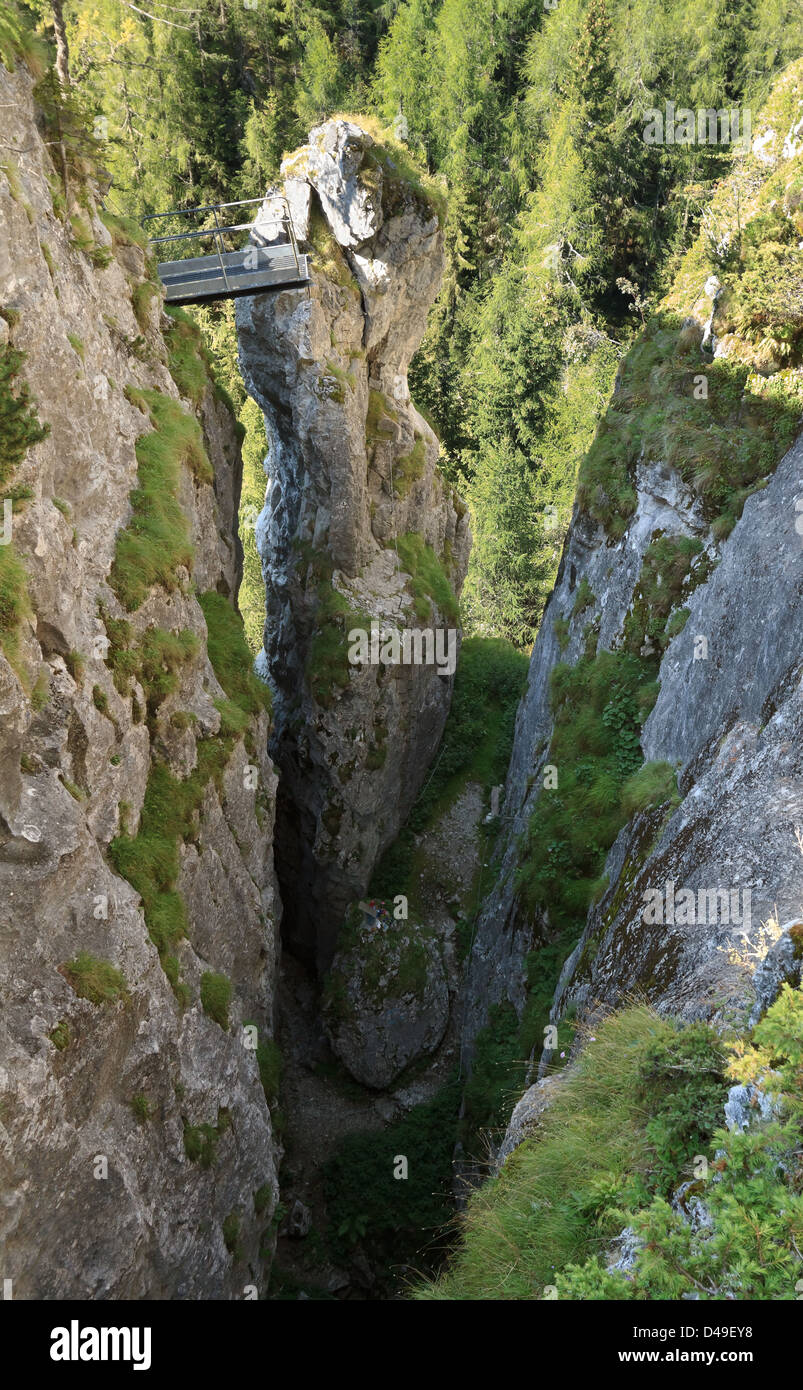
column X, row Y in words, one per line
column 188, row 28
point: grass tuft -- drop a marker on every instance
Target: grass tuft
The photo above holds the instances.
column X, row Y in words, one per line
column 408, row 469
column 429, row 581
column 156, row 542
column 643, row 1098
column 188, row 359
column 216, row 994
column 655, row 784
column 150, row 860
column 96, row 980
column 231, row 659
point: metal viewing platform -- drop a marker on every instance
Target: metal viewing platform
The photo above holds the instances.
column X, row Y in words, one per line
column 270, row 261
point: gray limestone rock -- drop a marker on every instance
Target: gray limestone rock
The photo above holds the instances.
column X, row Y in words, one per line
column 351, row 472
column 104, row 1108
column 387, row 1003
column 731, row 722
column 748, row 1106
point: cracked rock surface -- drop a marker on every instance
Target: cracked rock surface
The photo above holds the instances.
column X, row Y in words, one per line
column 351, row 471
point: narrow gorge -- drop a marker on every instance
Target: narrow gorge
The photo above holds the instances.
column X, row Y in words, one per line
column 406, row 941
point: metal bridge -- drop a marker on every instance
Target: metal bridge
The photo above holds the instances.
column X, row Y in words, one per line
column 271, row 260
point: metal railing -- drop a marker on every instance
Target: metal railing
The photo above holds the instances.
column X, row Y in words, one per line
column 217, row 232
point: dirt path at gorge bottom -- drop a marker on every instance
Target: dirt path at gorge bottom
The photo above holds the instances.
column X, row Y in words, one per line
column 321, row 1105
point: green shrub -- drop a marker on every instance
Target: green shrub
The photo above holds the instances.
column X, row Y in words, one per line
column 403, row 178
column 18, row 41
column 251, row 596
column 161, row 657
column 233, row 720
column 773, row 1056
column 327, row 667
column 216, row 994
column 722, row 445
column 343, row 380
column 583, row 599
column 125, row 231
column 150, row 860
column 497, row 1075
column 183, row 719
column 41, row 691
column 263, row 1198
column 749, row 1247
column 395, row 1218
column 141, row 297
column 672, row 568
column 681, row 1082
column 9, row 168
column 595, row 749
column 14, row 602
column 676, row 623
column 476, row 744
column 629, row 1123
column 381, row 418
column 83, row 240
column 121, row 656
column 76, row 665
column 598, row 708
column 409, row 468
column 325, row 254
column 155, row 659
column 560, row 627
column 96, row 980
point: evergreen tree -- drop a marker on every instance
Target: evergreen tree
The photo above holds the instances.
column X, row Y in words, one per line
column 561, row 222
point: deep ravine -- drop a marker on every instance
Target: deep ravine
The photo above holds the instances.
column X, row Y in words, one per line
column 299, row 946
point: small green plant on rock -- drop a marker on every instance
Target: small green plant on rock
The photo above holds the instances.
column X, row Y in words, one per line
column 155, row 544
column 61, row 1035
column 231, row 1234
column 142, row 1108
column 216, row 995
column 200, row 1144
column 428, row 578
column 96, row 980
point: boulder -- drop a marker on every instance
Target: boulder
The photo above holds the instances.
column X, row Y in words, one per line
column 387, row 1003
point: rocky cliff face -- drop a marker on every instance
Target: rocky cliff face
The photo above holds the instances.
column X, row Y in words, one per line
column 713, row 609
column 358, row 527
column 730, row 721
column 140, row 918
